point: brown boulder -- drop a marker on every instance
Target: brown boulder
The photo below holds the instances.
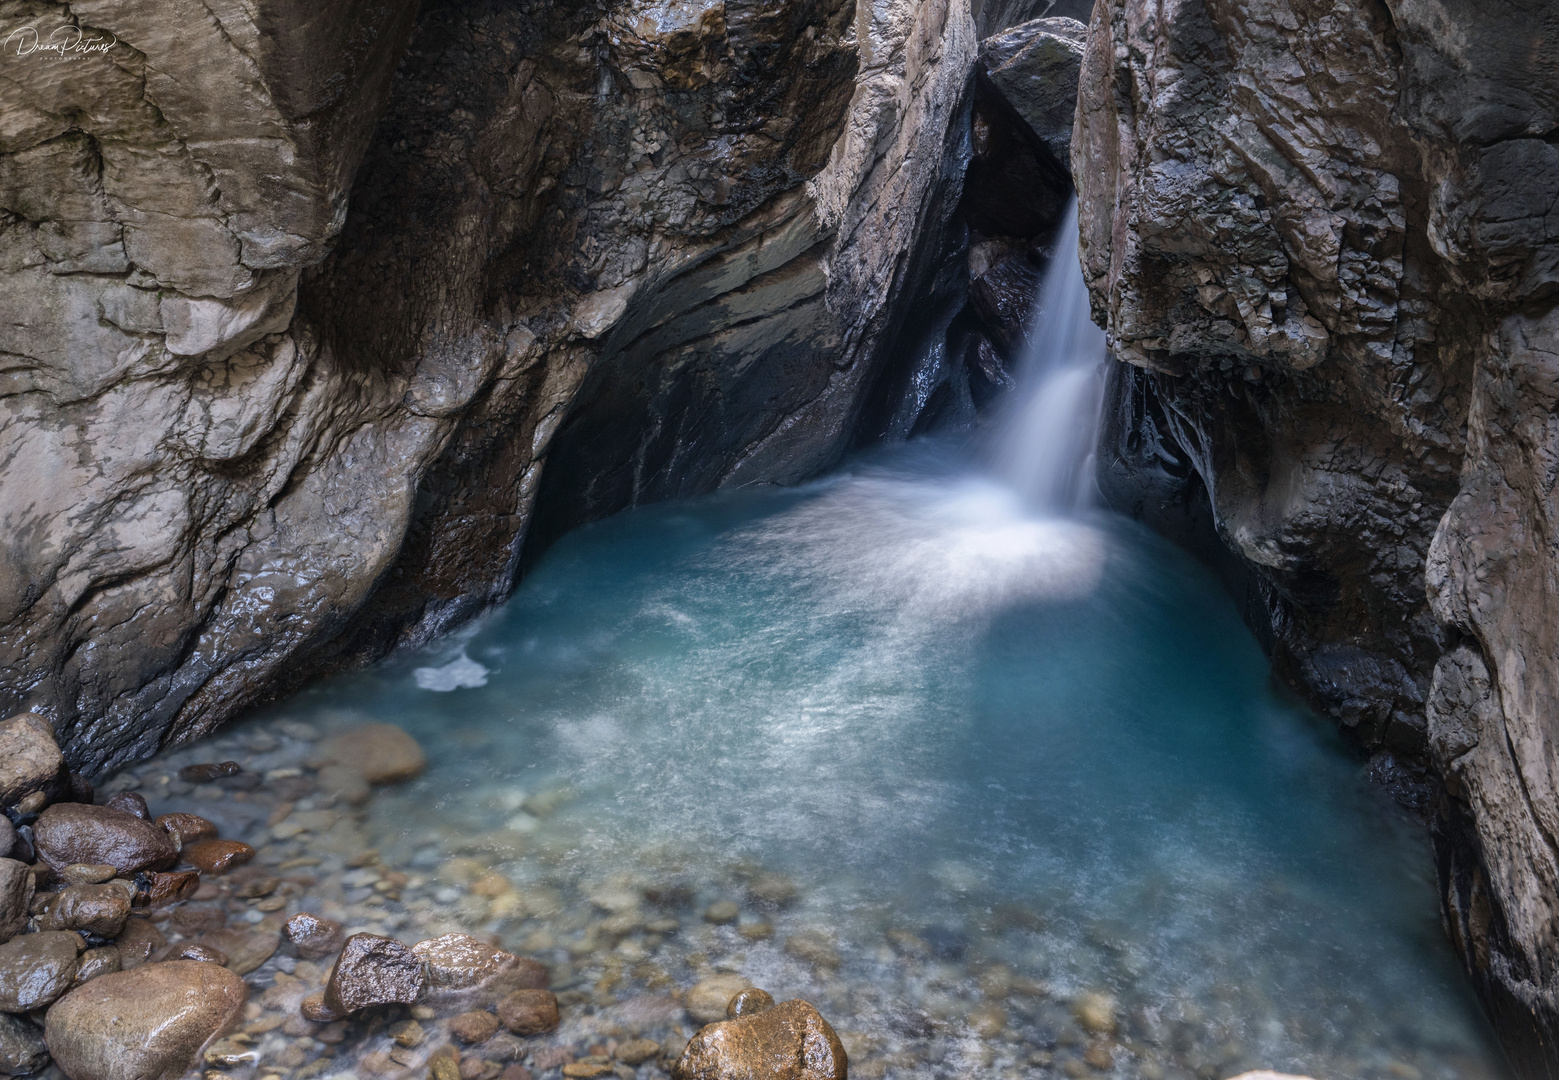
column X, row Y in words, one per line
column 315, row 938
column 529, row 1012
column 382, row 753
column 93, row 909
column 186, row 828
column 147, row 1024
column 29, row 757
column 37, row 968
column 372, row 970
column 131, row 802
column 16, row 889
column 217, row 856
column 69, row 833
column 790, row 1041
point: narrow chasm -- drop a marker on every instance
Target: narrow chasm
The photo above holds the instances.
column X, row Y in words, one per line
column 715, row 540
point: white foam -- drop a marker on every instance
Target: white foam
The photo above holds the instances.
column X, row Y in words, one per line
column 460, row 673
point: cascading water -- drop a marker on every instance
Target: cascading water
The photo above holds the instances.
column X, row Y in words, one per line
column 1046, row 440
column 1035, row 807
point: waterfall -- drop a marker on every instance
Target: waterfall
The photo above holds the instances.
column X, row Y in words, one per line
column 1045, row 444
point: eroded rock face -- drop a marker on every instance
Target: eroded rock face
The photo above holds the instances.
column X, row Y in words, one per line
column 1324, row 236
column 655, row 253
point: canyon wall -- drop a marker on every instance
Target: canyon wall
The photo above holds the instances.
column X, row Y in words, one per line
column 278, row 377
column 1325, row 239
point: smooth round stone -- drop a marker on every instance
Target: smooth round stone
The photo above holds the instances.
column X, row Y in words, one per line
column 94, row 962
column 68, row 833
column 137, row 941
column 217, row 856
column 344, row 782
column 100, row 910
column 37, row 968
column 22, row 1050
column 476, row 1026
column 186, row 828
column 707, row 1000
column 131, row 802
column 1095, row 1013
column 87, row 873
column 748, row 1002
column 148, row 1024
column 722, row 912
column 529, row 1012
column 245, row 950
column 194, row 950
column 205, row 772
column 29, row 757
column 382, row 753
column 637, row 1051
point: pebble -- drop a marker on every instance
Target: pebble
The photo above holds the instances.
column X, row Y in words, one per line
column 748, row 1002
column 131, row 802
column 372, row 970
column 707, row 1001
column 37, row 968
column 314, row 937
column 217, row 856
column 69, row 833
column 186, row 828
column 529, row 1012
column 245, row 950
column 773, row 891
column 1095, row 1012
column 206, row 772
column 137, row 941
column 476, row 1026
column 29, row 758
column 722, row 912
column 168, row 887
column 637, row 1051
column 100, row 910
column 87, row 873
column 345, row 783
column 103, row 960
column 16, row 893
column 380, row 753
column 152, row 1022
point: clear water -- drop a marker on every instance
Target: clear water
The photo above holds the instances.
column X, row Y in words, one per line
column 990, row 748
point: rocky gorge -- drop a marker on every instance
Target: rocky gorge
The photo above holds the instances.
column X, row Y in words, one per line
column 323, row 322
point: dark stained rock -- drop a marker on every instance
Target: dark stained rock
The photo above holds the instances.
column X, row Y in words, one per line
column 100, row 910
column 217, row 856
column 147, row 1024
column 748, row 1002
column 16, row 892
column 372, row 970
column 314, row 937
column 37, row 968
column 131, row 802
column 76, row 833
column 157, row 888
column 22, row 1049
column 790, row 1041
column 380, row 753
column 206, row 772
column 1036, row 65
column 187, row 828
column 529, row 1012
column 29, row 758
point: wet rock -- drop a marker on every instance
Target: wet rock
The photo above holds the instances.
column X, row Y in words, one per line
column 1262, row 1074
column 588, row 1069
column 7, row 836
column 245, row 950
column 722, row 912
column 159, row 888
column 444, row 1063
column 1095, row 1013
column 790, row 1041
column 707, row 1000
column 22, row 1049
column 186, row 828
column 815, row 947
column 637, row 1051
column 476, row 1026
column 1036, row 66
column 194, row 950
column 137, row 941
column 529, row 1012
column 217, row 856
column 131, row 802
column 748, row 1002
column 104, row 960
column 29, row 758
column 313, row 1008
column 772, row 891
column 381, row 753
column 314, row 937
column 345, row 783
column 100, row 910
column 148, row 1024
column 373, row 970
column 37, row 968
column 69, row 833
column 16, row 892
column 206, row 772
column 87, row 873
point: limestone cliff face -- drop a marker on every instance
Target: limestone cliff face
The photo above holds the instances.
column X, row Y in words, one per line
column 253, row 426
column 1324, row 235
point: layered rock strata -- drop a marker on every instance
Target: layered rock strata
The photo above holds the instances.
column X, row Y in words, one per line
column 1325, row 239
column 249, row 434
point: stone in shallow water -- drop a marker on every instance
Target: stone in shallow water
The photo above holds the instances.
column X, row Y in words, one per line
column 217, row 856
column 87, row 873
column 37, row 968
column 186, row 828
column 529, row 1012
column 29, row 758
column 95, row 962
column 790, row 1041
column 637, row 1051
column 707, row 1001
column 382, row 753
column 22, row 1050
column 1095, row 1013
column 147, row 1024
column 372, row 970
column 476, row 1026
column 206, row 772
column 131, row 802
column 93, row 909
column 69, row 833
column 245, row 949
column 722, row 912
column 748, row 1002
column 314, row 937
column 16, row 890
column 159, row 888
column 137, row 941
